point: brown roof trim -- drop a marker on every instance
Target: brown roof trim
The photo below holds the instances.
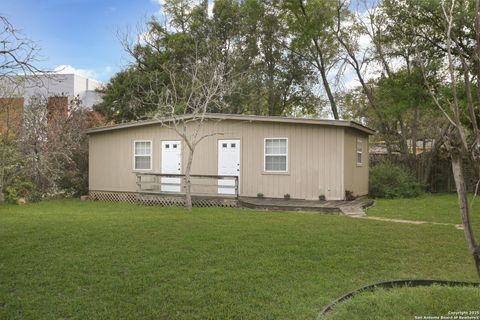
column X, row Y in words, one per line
column 241, row 117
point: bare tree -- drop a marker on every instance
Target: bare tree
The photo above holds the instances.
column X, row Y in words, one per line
column 193, row 90
column 54, row 147
column 18, row 56
column 463, row 139
column 16, row 51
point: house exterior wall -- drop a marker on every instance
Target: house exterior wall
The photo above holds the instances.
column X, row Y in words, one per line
column 356, row 176
column 315, row 157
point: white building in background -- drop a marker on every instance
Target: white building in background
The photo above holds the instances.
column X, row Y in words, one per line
column 69, row 85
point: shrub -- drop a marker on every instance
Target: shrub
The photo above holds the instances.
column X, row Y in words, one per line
column 286, row 196
column 391, row 181
column 260, row 195
column 321, row 197
column 21, row 189
column 74, row 183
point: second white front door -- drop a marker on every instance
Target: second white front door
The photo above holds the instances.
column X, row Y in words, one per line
column 171, row 164
column 228, row 164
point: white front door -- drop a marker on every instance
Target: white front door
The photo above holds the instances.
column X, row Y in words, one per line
column 228, row 164
column 171, row 164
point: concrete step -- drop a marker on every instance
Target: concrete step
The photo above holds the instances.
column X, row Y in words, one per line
column 353, row 211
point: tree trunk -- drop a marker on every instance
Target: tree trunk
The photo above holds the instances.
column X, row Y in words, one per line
column 473, row 247
column 414, row 139
column 437, row 142
column 403, row 141
column 428, row 167
column 188, row 184
column 205, row 6
column 477, row 47
column 2, row 174
column 3, row 155
column 331, row 99
column 322, row 68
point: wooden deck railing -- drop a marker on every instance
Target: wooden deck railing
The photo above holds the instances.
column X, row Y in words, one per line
column 202, row 185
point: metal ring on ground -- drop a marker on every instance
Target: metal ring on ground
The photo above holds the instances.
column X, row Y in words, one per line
column 395, row 284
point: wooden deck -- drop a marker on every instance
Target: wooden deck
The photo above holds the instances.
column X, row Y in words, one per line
column 355, row 207
column 352, row 208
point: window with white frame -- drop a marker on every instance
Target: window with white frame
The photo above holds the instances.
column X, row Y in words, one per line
column 359, row 152
column 276, row 155
column 142, row 155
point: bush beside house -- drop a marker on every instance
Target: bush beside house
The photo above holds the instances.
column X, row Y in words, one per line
column 387, row 180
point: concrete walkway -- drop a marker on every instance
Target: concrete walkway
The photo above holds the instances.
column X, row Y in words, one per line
column 353, row 210
column 457, row 226
column 356, row 208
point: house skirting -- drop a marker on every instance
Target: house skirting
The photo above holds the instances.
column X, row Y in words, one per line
column 165, row 200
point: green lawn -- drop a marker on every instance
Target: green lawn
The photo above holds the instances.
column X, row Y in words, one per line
column 405, row 303
column 430, row 207
column 81, row 260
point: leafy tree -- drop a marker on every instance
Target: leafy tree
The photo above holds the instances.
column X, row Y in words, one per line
column 403, row 100
column 463, row 137
column 119, row 100
column 282, row 79
column 419, row 25
column 311, row 24
column 248, row 38
column 396, row 102
column 156, row 47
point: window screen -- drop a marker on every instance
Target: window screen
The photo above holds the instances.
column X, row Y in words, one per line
column 276, row 155
column 359, row 152
column 143, row 155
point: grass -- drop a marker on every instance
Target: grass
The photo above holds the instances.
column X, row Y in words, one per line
column 83, row 260
column 430, row 207
column 406, row 303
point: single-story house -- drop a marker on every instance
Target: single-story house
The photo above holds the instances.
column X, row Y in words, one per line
column 272, row 156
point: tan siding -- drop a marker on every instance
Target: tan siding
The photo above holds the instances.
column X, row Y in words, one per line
column 321, row 162
column 356, row 177
column 315, row 161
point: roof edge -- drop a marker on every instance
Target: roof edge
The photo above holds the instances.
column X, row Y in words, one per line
column 240, row 117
